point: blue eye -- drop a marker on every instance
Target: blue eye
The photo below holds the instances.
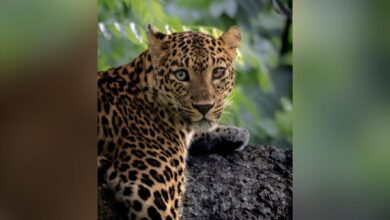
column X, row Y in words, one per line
column 218, row 72
column 182, row 75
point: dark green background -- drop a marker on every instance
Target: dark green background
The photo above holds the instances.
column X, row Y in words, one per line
column 262, row 98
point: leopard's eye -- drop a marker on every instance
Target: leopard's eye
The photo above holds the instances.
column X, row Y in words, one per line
column 218, row 72
column 182, row 75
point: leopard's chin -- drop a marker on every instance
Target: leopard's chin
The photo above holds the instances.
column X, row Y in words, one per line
column 203, row 125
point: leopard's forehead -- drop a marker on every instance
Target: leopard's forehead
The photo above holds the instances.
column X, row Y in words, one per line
column 187, row 36
column 194, row 41
column 197, row 48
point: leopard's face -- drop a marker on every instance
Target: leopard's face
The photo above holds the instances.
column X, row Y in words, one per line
column 194, row 75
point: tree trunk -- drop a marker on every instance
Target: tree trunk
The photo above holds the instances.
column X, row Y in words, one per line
column 255, row 183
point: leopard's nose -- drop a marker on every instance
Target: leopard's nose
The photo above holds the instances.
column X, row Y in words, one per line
column 203, row 108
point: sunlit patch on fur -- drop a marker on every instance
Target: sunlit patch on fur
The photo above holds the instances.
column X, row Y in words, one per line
column 189, row 137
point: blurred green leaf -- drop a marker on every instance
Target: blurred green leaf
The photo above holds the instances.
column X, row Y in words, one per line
column 284, row 119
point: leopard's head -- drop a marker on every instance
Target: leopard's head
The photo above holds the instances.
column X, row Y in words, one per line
column 193, row 73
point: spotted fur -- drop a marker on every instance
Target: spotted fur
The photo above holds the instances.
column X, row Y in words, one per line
column 148, row 111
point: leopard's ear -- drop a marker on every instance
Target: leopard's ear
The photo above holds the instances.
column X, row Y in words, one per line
column 231, row 40
column 156, row 44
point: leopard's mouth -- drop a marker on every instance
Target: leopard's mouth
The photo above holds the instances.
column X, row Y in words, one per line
column 203, row 124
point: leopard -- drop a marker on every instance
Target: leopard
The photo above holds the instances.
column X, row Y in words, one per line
column 152, row 109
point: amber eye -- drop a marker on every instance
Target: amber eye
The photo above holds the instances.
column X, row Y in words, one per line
column 182, row 75
column 218, row 72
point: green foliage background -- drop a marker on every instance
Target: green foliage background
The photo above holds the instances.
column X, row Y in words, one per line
column 262, row 98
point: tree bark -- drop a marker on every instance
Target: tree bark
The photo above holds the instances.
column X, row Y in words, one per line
column 255, row 183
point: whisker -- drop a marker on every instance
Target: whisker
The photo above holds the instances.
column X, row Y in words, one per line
column 226, row 116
